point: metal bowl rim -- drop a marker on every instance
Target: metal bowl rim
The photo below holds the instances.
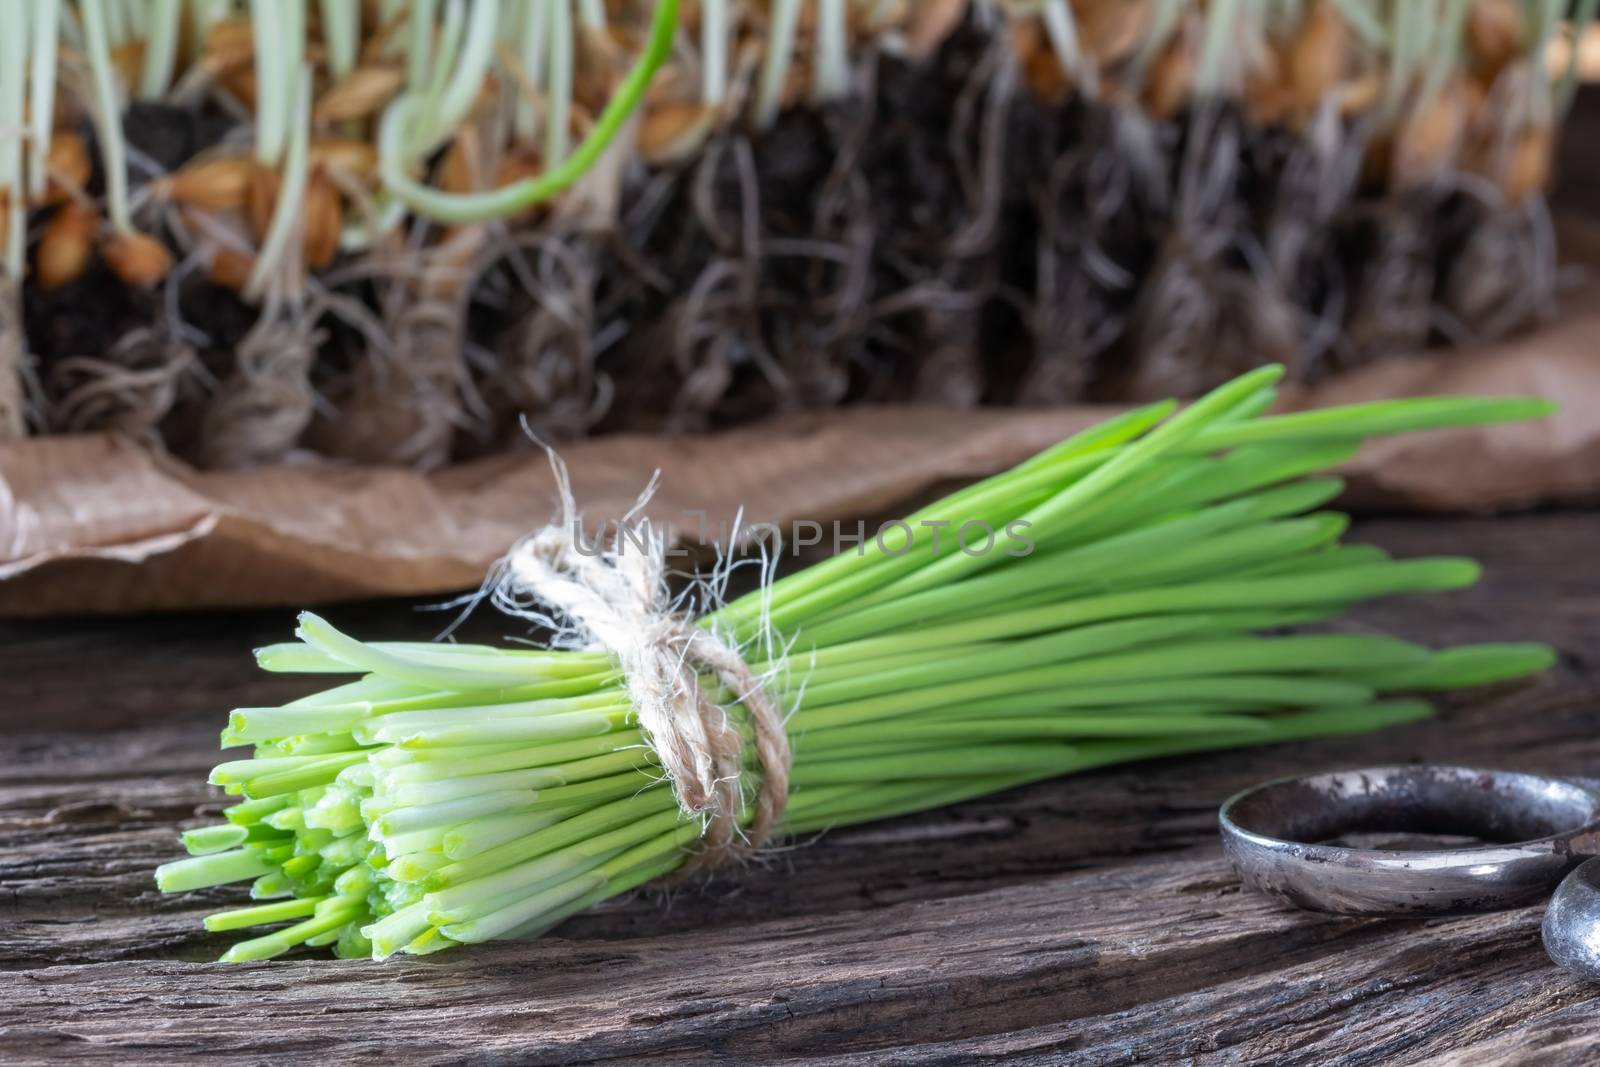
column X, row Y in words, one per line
column 1409, row 858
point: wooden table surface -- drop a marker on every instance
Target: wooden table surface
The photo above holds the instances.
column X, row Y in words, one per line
column 1086, row 920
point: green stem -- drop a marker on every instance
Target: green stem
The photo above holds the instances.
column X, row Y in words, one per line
column 519, row 196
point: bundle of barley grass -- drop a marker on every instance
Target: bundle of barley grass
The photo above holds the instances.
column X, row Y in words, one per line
column 390, row 231
column 1120, row 596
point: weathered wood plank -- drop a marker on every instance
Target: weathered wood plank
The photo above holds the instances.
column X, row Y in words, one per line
column 1085, row 920
column 1037, row 951
column 1396, row 995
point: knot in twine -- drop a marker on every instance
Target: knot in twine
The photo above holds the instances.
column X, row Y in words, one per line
column 616, row 599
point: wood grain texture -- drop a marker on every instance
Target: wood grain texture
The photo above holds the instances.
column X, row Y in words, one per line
column 1087, row 920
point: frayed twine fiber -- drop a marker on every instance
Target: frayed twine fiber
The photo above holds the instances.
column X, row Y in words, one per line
column 616, row 598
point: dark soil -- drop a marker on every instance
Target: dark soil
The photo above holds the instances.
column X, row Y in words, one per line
column 1092, row 231
column 704, row 310
column 852, row 209
column 936, row 124
column 85, row 317
column 223, row 319
column 171, row 136
column 88, row 316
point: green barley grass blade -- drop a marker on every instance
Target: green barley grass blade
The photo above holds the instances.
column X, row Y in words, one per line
column 1043, row 475
column 563, row 727
column 301, row 658
column 1110, row 433
column 1078, row 502
column 935, row 763
column 1337, row 557
column 1226, row 552
column 1379, row 418
column 1088, row 755
column 1058, row 647
column 972, row 733
column 264, row 724
column 434, row 700
column 1466, row 666
column 201, row 872
column 1044, row 690
column 1051, row 573
column 789, row 610
column 844, row 643
column 1196, row 483
column 297, row 657
column 261, row 914
column 598, row 820
column 951, row 650
column 209, row 839
column 1291, row 655
column 323, row 636
column 1242, row 692
column 513, row 758
column 277, row 944
column 549, row 900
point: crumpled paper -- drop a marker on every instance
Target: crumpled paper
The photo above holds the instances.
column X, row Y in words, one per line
column 97, row 524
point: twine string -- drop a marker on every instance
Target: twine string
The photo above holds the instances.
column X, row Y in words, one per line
column 615, row 598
